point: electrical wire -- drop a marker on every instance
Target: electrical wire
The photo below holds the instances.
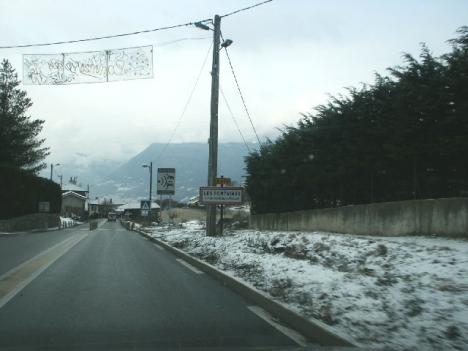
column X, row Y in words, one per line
column 186, row 104
column 131, row 33
column 170, row 42
column 233, row 118
column 107, row 36
column 242, row 95
column 246, row 8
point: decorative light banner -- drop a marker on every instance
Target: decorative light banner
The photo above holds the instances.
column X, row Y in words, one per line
column 88, row 67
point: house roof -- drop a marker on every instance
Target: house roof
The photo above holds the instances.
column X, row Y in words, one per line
column 135, row 205
column 72, row 187
column 72, row 193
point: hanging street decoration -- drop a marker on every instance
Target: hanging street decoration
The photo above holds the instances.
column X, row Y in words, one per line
column 88, row 67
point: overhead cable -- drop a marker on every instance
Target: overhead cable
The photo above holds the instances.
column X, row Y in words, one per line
column 130, row 33
column 184, row 110
column 246, row 8
column 234, row 118
column 106, row 36
column 242, row 95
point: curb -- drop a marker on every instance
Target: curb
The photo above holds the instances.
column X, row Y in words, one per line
column 311, row 329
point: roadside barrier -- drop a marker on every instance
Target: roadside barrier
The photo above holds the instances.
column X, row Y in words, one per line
column 93, row 225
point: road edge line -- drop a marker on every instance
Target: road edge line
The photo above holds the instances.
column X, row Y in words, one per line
column 312, row 329
column 189, row 266
column 290, row 333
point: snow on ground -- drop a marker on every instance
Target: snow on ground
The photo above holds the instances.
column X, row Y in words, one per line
column 393, row 292
column 66, row 222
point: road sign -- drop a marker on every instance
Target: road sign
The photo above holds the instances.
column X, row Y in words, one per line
column 166, row 181
column 144, row 213
column 145, row 205
column 223, row 181
column 212, row 195
column 44, row 206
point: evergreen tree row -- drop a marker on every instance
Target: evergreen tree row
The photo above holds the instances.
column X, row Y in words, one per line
column 403, row 137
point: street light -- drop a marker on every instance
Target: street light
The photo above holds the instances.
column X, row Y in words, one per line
column 226, row 43
column 60, row 176
column 202, row 26
column 150, row 166
column 52, row 169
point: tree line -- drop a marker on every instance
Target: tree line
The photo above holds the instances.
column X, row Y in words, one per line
column 405, row 136
column 20, row 144
column 22, row 153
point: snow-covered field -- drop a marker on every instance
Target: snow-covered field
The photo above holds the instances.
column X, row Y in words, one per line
column 393, row 292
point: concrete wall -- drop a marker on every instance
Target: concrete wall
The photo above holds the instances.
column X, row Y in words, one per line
column 445, row 217
column 30, row 222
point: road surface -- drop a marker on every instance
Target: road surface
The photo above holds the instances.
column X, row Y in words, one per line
column 113, row 289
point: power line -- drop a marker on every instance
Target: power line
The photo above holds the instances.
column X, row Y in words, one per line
column 106, row 36
column 186, row 104
column 130, row 33
column 165, row 43
column 246, row 8
column 233, row 118
column 242, row 95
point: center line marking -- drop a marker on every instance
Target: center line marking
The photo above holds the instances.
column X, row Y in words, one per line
column 189, row 266
column 293, row 335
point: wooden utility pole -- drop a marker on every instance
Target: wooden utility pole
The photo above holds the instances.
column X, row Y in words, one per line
column 213, row 141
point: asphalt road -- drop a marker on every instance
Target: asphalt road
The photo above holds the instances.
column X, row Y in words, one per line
column 17, row 248
column 116, row 290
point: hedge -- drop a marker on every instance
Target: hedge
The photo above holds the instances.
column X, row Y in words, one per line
column 22, row 191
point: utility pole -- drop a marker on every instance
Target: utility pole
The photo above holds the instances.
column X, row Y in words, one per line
column 213, row 141
column 52, row 170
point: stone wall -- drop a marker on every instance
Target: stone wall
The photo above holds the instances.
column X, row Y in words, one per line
column 39, row 221
column 444, row 217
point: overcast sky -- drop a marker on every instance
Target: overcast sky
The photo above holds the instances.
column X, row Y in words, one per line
column 288, row 54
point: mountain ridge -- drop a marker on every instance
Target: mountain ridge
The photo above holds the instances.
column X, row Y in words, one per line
column 130, row 181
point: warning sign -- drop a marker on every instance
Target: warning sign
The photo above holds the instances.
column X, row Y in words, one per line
column 145, row 205
column 166, row 181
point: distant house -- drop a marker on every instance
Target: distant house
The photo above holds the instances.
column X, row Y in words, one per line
column 133, row 209
column 74, row 200
column 93, row 208
column 193, row 201
column 73, row 204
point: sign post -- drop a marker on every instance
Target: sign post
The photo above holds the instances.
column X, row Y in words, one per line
column 222, row 181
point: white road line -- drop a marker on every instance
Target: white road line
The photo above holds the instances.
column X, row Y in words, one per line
column 44, row 259
column 21, row 265
column 293, row 335
column 189, row 266
column 159, row 247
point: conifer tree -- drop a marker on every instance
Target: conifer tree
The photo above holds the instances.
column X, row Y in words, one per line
column 20, row 146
